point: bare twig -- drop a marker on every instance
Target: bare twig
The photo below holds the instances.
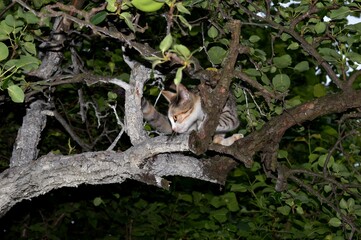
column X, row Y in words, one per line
column 70, row 131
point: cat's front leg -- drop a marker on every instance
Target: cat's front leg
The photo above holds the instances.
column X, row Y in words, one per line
column 220, row 139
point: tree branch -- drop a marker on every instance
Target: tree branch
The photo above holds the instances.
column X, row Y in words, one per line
column 304, row 44
column 55, row 171
column 269, row 136
column 25, row 147
column 213, row 100
column 133, row 96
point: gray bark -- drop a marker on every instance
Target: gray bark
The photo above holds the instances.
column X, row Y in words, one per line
column 25, row 147
column 55, row 171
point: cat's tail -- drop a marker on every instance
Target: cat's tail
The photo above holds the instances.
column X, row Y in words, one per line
column 157, row 120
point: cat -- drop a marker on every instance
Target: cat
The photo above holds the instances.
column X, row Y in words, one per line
column 185, row 114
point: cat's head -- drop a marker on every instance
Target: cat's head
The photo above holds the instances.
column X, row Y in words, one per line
column 184, row 109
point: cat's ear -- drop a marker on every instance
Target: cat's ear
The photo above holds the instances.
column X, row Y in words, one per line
column 183, row 92
column 170, row 96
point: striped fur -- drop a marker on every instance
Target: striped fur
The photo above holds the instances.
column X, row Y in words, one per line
column 154, row 118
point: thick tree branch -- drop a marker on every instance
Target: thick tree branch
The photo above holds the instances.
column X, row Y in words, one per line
column 25, row 147
column 55, row 171
column 267, row 139
column 213, row 100
column 133, row 112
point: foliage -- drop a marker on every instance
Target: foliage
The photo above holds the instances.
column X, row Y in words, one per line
column 291, row 52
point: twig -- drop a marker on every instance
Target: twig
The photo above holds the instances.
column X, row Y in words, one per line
column 114, row 143
column 321, row 198
column 305, row 45
column 268, row 95
column 70, row 131
column 353, row 77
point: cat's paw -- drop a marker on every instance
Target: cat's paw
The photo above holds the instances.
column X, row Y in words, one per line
column 237, row 136
column 219, row 139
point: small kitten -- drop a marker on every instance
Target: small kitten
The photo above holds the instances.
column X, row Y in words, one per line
column 185, row 114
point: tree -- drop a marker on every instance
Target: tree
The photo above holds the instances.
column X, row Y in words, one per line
column 82, row 68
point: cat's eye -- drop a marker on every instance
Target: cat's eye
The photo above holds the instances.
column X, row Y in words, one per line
column 175, row 118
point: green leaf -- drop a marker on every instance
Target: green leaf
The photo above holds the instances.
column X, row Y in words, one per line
column 185, row 22
column 3, row 37
column 252, row 72
column 185, row 197
column 282, row 154
column 147, row 5
column 335, row 222
column 178, row 76
column 340, row 13
column 320, row 27
column 26, row 63
column 217, row 54
column 343, row 204
column 355, row 57
column 99, row 17
column 285, row 210
column 16, row 93
column 350, row 204
column 216, row 202
column 181, row 8
column 265, row 79
column 319, row 90
column 97, row 201
column 293, row 46
column 231, row 201
column 281, row 82
column 12, row 22
column 111, row 5
column 166, row 43
column 302, row 66
column 4, row 51
column 111, row 66
column 220, row 215
column 128, row 20
column 327, row 188
column 238, row 187
column 182, row 50
column 31, row 18
column 283, row 61
column 330, row 131
column 322, row 160
column 212, row 32
column 354, row 27
column 299, row 210
column 329, row 54
column 313, row 157
column 112, row 95
column 30, row 47
column 5, row 29
column 285, row 36
column 254, row 38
